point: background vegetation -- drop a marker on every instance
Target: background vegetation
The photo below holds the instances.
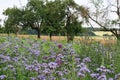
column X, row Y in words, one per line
column 62, row 17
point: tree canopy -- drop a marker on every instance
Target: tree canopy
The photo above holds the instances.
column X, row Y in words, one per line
column 47, row 16
column 14, row 18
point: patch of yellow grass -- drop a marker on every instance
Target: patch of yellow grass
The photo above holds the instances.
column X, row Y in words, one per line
column 107, row 40
column 101, row 33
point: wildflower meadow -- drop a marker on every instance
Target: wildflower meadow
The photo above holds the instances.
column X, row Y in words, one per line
column 31, row 59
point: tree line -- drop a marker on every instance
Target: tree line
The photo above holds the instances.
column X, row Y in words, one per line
column 51, row 17
column 62, row 17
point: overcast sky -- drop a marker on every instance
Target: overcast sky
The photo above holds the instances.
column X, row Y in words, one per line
column 4, row 4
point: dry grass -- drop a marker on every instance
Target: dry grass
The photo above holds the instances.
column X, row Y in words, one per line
column 104, row 40
column 101, row 33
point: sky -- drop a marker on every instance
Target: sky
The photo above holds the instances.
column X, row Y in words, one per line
column 4, row 4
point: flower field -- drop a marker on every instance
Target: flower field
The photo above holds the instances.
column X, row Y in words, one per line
column 32, row 59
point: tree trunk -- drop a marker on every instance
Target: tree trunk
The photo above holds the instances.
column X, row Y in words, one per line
column 38, row 31
column 69, row 38
column 16, row 34
column 50, row 36
column 8, row 33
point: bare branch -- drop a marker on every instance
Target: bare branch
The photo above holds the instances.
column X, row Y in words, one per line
column 106, row 29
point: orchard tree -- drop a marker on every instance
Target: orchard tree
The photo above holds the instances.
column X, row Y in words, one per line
column 72, row 23
column 49, row 16
column 62, row 16
column 2, row 29
column 34, row 15
column 13, row 18
column 8, row 28
column 54, row 15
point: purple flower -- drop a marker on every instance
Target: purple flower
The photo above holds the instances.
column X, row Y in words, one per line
column 65, row 71
column 102, row 77
column 29, row 67
column 41, row 77
column 59, row 62
column 16, row 47
column 80, row 74
column 36, row 68
column 35, row 52
column 52, row 78
column 84, row 70
column 11, row 67
column 94, row 75
column 15, row 59
column 87, row 59
column 104, row 69
column 82, row 65
column 60, row 56
column 59, row 46
column 77, row 60
column 46, row 71
column 52, row 65
column 72, row 51
column 35, row 45
column 32, row 78
column 59, row 73
column 6, row 58
column 45, row 57
column 52, row 56
column 2, row 77
column 45, row 65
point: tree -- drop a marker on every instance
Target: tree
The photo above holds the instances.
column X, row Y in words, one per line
column 54, row 15
column 8, row 28
column 49, row 16
column 34, row 15
column 62, row 16
column 2, row 29
column 72, row 24
column 102, row 14
column 13, row 18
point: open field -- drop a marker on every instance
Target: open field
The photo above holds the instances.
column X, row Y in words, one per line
column 88, row 39
column 101, row 33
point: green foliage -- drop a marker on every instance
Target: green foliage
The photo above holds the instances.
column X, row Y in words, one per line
column 54, row 15
column 87, row 32
column 14, row 17
column 2, row 29
column 50, row 17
